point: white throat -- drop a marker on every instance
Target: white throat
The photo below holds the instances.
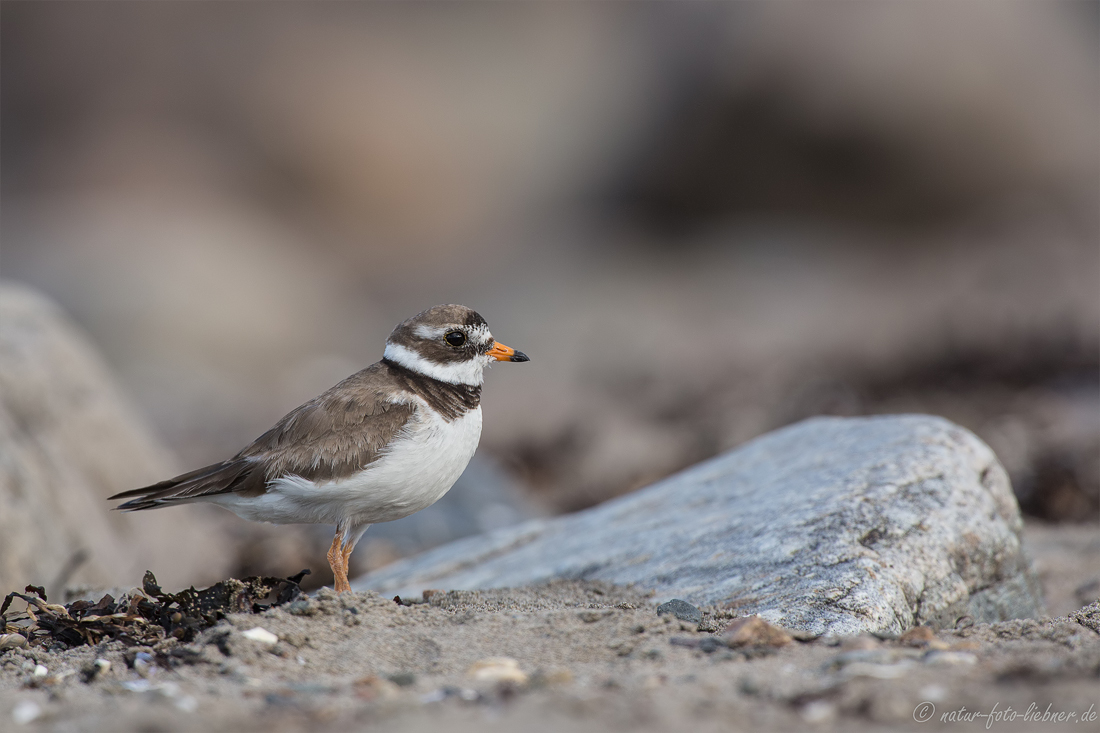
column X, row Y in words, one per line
column 469, row 372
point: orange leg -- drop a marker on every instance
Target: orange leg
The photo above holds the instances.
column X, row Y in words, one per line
column 346, row 552
column 338, row 556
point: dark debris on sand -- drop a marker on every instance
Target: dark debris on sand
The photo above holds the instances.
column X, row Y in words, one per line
column 143, row 616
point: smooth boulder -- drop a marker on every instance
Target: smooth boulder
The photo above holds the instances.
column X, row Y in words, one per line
column 829, row 526
column 68, row 440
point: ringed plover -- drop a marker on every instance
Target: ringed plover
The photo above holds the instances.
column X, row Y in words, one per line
column 384, row 443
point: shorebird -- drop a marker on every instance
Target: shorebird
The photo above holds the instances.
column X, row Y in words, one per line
column 387, row 441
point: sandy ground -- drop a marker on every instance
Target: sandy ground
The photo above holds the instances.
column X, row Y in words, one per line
column 586, row 657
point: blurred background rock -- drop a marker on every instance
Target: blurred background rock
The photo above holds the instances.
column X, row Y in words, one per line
column 68, row 440
column 701, row 221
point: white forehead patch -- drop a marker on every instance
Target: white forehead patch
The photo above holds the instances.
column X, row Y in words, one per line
column 431, row 332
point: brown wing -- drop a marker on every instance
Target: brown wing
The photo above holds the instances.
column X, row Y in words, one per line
column 334, row 435
column 329, row 437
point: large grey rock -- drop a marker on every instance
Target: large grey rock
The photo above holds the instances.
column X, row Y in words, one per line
column 68, row 440
column 833, row 525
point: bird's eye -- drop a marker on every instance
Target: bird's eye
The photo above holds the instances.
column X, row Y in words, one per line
column 455, row 338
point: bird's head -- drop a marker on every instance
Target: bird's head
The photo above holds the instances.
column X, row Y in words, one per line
column 451, row 343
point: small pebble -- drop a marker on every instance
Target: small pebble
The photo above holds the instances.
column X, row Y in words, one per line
column 918, row 636
column 498, row 669
column 374, row 687
column 402, row 679
column 144, row 664
column 96, row 669
column 40, row 671
column 681, row 610
column 25, row 711
column 12, row 641
column 261, row 636
column 755, row 631
column 818, row 711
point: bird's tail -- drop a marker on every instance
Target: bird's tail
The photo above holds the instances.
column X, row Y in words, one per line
column 237, row 475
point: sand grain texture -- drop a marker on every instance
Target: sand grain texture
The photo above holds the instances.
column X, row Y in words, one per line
column 595, row 657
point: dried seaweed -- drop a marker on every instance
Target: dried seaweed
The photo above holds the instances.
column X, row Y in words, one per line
column 143, row 616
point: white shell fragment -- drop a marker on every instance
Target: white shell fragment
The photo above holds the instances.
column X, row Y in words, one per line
column 261, row 635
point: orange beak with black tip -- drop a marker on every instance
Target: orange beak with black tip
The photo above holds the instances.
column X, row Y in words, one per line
column 500, row 352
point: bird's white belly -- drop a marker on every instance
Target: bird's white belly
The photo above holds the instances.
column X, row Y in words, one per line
column 415, row 472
